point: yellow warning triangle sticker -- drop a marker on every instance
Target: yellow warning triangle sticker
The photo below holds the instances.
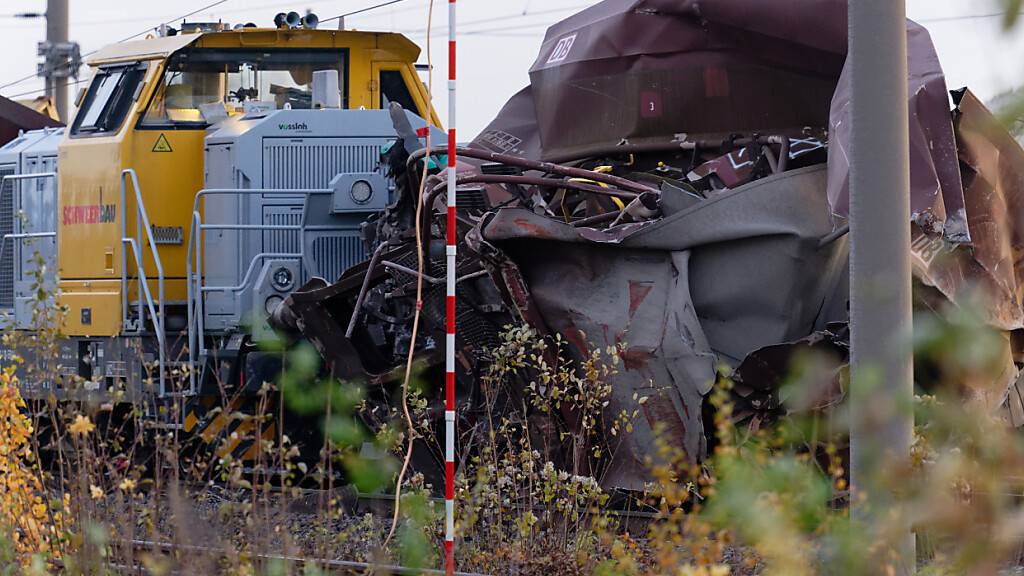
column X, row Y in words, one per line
column 162, row 145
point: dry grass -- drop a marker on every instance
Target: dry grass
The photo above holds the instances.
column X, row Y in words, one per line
column 80, row 483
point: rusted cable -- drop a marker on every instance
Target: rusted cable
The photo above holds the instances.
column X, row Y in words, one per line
column 526, row 180
column 688, row 145
column 541, row 181
column 550, row 168
column 599, row 219
column 632, row 187
column 530, row 181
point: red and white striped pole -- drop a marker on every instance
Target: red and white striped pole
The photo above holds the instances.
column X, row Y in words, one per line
column 449, row 413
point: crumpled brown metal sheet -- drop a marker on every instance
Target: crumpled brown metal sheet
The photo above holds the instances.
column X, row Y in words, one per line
column 706, row 70
column 597, row 82
column 705, row 274
column 761, row 276
column 992, row 163
column 937, row 195
column 715, row 281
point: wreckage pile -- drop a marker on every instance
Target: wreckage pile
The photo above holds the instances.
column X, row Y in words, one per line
column 674, row 182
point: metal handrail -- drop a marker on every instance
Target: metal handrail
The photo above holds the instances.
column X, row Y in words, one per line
column 192, row 305
column 33, row 176
column 142, row 218
column 249, row 271
column 27, row 235
column 22, row 236
column 194, row 278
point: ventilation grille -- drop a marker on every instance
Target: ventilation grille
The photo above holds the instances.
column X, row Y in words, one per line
column 7, row 227
column 335, row 254
column 471, row 199
column 306, row 164
column 282, row 241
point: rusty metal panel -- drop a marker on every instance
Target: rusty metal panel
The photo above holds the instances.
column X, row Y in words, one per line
column 704, row 71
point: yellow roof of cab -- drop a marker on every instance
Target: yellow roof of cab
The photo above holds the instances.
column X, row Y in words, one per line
column 162, row 47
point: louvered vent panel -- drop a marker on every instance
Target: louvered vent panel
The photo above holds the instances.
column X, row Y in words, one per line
column 9, row 249
column 307, row 164
column 335, row 254
column 282, row 241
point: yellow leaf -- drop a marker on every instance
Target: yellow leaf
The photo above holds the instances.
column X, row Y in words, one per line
column 81, row 426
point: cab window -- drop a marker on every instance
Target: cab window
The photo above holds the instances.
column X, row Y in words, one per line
column 394, row 89
column 108, row 100
column 198, row 81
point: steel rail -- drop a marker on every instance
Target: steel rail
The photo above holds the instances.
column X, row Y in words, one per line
column 361, row 567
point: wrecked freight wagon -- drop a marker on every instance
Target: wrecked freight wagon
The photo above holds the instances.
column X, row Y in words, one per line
column 674, row 180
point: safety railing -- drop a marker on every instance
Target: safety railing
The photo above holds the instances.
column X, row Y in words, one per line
column 22, row 236
column 145, row 300
column 194, row 258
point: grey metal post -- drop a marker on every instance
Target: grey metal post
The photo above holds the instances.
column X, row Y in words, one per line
column 881, row 394
column 56, row 35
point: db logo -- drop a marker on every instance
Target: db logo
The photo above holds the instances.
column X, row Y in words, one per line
column 561, row 51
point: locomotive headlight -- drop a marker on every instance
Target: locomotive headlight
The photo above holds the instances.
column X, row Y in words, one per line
column 358, row 192
column 361, row 192
column 282, row 279
column 272, row 303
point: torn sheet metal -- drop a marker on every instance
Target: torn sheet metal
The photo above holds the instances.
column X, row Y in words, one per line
column 705, row 71
column 709, row 72
column 717, row 281
column 992, row 165
column 596, row 297
column 936, row 192
column 758, row 273
column 697, row 216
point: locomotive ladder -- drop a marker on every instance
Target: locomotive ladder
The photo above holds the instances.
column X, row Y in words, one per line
column 145, row 300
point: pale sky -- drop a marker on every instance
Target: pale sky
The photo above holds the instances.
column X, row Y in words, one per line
column 498, row 39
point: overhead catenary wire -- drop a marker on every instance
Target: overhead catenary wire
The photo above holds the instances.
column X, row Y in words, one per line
column 171, row 21
column 90, row 23
column 964, row 17
column 276, row 6
column 504, row 18
column 30, row 92
column 367, row 9
column 537, row 34
column 539, row 27
column 413, row 32
column 136, row 35
column 100, row 22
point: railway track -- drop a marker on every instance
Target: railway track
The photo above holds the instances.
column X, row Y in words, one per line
column 293, row 562
column 129, row 556
column 382, row 504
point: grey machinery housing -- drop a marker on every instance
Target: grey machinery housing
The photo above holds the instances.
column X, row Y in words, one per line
column 314, row 176
column 28, row 222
